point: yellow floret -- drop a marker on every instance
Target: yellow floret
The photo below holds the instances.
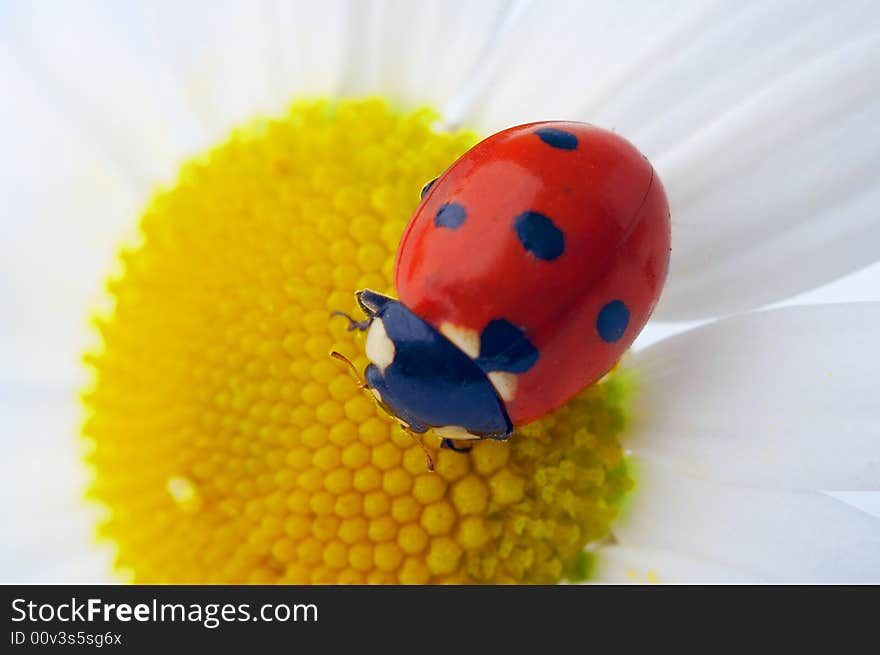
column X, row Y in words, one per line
column 228, row 447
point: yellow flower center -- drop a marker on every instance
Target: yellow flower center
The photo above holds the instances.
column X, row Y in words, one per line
column 229, row 447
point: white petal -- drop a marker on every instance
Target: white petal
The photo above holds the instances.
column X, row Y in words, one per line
column 637, row 565
column 559, row 55
column 784, row 398
column 856, row 287
column 761, row 212
column 96, row 63
column 420, row 52
column 760, row 118
column 779, row 536
column 48, row 536
column 233, row 60
column 160, row 80
column 67, row 207
column 867, row 501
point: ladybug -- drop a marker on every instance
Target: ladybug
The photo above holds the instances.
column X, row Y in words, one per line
column 527, row 270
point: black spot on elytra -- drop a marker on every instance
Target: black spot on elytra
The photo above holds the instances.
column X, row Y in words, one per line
column 505, row 347
column 451, row 215
column 539, row 235
column 557, row 138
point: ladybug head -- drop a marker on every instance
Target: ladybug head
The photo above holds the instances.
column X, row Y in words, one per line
column 424, row 380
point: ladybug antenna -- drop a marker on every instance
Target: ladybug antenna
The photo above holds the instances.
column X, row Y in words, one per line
column 353, row 325
column 357, row 376
column 421, row 443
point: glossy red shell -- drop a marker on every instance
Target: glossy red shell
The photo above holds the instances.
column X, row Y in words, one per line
column 612, row 210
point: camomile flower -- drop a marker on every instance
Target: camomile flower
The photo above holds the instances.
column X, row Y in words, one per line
column 190, row 189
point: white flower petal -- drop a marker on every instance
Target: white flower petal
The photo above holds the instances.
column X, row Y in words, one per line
column 233, row 60
column 558, row 56
column 786, row 208
column 784, row 398
column 759, row 117
column 48, row 534
column 422, row 52
column 98, row 64
column 636, row 565
column 779, row 536
column 867, row 501
column 67, row 205
column 157, row 81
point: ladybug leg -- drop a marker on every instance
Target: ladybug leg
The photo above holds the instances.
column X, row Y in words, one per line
column 450, row 444
column 353, row 324
column 421, row 443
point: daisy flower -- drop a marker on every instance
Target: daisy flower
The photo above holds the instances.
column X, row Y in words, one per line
column 222, row 444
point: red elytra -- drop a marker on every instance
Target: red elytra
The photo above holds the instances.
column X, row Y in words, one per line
column 596, row 190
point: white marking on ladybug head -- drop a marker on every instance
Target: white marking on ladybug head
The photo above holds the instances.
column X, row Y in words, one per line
column 380, row 349
column 466, row 339
column 504, row 383
column 376, row 394
column 454, row 432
